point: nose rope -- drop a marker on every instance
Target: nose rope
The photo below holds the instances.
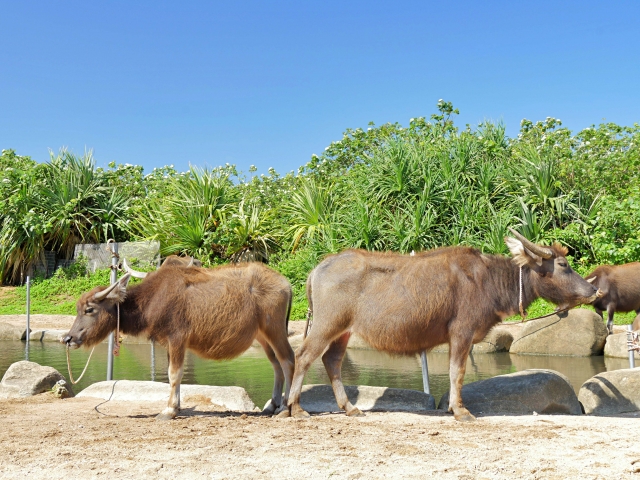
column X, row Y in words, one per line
column 523, row 314
column 116, row 346
column 83, row 371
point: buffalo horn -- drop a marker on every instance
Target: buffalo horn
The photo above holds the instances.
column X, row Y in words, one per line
column 190, row 262
column 98, row 297
column 533, row 247
column 133, row 273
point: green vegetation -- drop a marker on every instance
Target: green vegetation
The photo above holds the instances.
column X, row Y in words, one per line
column 387, row 187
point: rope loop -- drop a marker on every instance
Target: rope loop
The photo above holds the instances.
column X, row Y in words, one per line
column 83, row 371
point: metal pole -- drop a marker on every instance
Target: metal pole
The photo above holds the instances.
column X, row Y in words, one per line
column 632, row 359
column 114, row 278
column 153, row 361
column 28, row 317
column 425, row 372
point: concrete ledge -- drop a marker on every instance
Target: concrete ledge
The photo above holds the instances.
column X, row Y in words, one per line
column 232, row 398
column 320, row 398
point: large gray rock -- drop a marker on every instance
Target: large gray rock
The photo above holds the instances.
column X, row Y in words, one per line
column 320, row 398
column 520, row 393
column 232, row 398
column 47, row 335
column 499, row 339
column 578, row 332
column 25, row 379
column 616, row 346
column 611, row 393
column 9, row 332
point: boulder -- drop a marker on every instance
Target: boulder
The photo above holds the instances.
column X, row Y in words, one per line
column 320, row 399
column 611, row 393
column 9, row 332
column 616, row 346
column 24, row 379
column 499, row 339
column 520, row 393
column 46, row 335
column 578, row 332
column 232, row 398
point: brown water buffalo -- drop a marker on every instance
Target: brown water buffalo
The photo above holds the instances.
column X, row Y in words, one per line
column 216, row 312
column 405, row 304
column 620, row 286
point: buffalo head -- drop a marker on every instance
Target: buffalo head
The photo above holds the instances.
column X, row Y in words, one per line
column 96, row 314
column 552, row 278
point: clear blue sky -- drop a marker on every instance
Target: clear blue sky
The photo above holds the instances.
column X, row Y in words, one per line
column 270, row 83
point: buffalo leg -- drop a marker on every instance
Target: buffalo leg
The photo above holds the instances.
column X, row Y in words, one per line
column 311, row 348
column 284, row 362
column 610, row 311
column 176, row 369
column 332, row 360
column 458, row 352
column 286, row 358
column 279, row 378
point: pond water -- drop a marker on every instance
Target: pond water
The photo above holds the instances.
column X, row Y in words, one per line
column 253, row 371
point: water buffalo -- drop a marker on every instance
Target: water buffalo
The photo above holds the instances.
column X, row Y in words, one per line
column 620, row 286
column 405, row 304
column 216, row 312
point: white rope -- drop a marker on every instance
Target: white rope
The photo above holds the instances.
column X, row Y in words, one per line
column 83, row 371
column 523, row 314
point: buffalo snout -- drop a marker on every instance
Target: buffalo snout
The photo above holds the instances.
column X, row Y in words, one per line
column 70, row 341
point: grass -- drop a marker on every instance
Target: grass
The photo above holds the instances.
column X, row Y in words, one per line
column 56, row 295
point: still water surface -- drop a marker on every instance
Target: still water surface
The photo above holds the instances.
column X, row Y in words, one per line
column 253, row 371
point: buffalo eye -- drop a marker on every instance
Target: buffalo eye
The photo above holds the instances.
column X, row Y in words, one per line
column 88, row 310
column 563, row 263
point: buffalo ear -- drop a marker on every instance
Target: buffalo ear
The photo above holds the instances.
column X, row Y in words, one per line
column 521, row 255
column 116, row 292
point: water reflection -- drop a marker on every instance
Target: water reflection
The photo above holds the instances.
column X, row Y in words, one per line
column 253, row 371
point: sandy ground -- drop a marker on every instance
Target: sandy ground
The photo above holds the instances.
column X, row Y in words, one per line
column 44, row 437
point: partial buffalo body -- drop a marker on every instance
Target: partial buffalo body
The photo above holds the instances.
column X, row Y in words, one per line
column 620, row 286
column 170, row 261
column 176, row 261
column 405, row 304
column 217, row 313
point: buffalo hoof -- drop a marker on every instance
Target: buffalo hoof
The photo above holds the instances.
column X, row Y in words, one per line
column 463, row 415
column 355, row 412
column 284, row 413
column 269, row 408
column 167, row 414
column 298, row 412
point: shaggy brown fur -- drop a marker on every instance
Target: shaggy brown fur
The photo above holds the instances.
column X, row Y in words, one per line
column 217, row 313
column 407, row 304
column 620, row 285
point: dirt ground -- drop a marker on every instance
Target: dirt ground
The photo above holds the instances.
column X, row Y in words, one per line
column 44, row 437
